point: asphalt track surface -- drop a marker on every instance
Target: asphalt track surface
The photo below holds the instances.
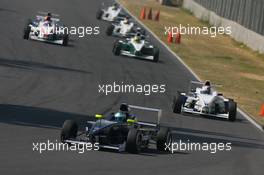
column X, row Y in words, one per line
column 44, row 84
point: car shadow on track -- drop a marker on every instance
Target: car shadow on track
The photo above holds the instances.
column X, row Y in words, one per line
column 7, row 10
column 149, row 152
column 240, row 120
column 30, row 65
column 37, row 117
column 196, row 136
column 52, row 119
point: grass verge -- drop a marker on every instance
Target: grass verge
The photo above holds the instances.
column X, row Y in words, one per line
column 221, row 59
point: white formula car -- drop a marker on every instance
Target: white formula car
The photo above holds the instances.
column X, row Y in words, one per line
column 111, row 13
column 46, row 29
column 124, row 28
column 136, row 47
column 202, row 99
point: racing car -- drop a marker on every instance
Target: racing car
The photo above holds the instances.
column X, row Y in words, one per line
column 136, row 47
column 120, row 131
column 124, row 28
column 203, row 99
column 46, row 29
column 112, row 13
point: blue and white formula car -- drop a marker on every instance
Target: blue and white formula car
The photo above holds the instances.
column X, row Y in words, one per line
column 120, row 131
column 203, row 99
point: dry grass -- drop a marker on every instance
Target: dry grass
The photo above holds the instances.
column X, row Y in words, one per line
column 221, row 59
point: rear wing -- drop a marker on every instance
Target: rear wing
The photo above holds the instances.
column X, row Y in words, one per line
column 41, row 16
column 194, row 84
column 202, row 83
column 159, row 111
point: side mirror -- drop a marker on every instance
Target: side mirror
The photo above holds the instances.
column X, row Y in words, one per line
column 99, row 116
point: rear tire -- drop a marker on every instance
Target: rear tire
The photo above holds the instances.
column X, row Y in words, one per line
column 156, row 55
column 133, row 144
column 109, row 30
column 232, row 110
column 163, row 138
column 99, row 14
column 69, row 130
column 178, row 101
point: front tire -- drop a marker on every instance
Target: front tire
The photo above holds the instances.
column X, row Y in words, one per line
column 178, row 101
column 69, row 130
column 109, row 30
column 164, row 138
column 65, row 40
column 117, row 48
column 99, row 14
column 26, row 32
column 156, row 55
column 133, row 144
column 232, row 110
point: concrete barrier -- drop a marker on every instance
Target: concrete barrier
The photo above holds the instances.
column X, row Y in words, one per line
column 241, row 34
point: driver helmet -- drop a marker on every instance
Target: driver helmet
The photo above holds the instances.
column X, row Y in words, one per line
column 120, row 116
column 207, row 83
column 124, row 107
column 137, row 37
column 115, row 6
column 138, row 29
column 126, row 20
column 48, row 17
column 206, row 89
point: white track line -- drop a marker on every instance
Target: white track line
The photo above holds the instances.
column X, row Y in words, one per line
column 260, row 127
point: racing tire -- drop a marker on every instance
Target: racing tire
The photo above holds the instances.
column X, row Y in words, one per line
column 26, row 32
column 155, row 55
column 99, row 14
column 65, row 40
column 178, row 101
column 143, row 32
column 164, row 139
column 133, row 144
column 69, row 130
column 117, row 48
column 232, row 108
column 109, row 30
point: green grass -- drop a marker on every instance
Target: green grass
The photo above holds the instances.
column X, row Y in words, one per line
column 221, row 59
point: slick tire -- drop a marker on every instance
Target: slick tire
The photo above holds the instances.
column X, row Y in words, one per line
column 117, row 48
column 133, row 144
column 65, row 40
column 156, row 55
column 99, row 14
column 178, row 101
column 69, row 130
column 232, row 110
column 164, row 138
column 26, row 32
column 109, row 30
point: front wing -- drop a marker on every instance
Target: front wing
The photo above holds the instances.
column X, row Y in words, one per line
column 33, row 37
column 191, row 111
column 127, row 53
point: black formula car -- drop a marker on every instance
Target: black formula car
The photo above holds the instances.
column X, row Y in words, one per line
column 119, row 131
